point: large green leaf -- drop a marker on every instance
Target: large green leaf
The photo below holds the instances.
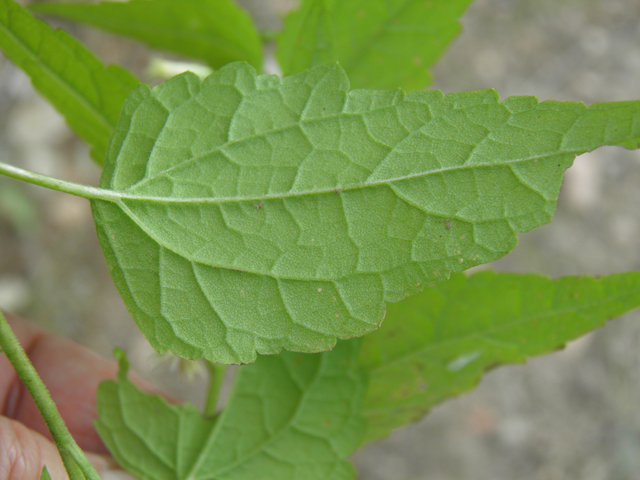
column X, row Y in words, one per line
column 438, row 343
column 245, row 214
column 67, row 74
column 289, row 417
column 380, row 43
column 215, row 31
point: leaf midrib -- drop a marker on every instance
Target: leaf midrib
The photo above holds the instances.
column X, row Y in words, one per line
column 192, row 475
column 121, row 203
column 491, row 331
column 120, row 195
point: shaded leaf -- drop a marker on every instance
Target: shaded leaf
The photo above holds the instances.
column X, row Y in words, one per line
column 214, row 31
column 438, row 343
column 379, row 43
column 289, row 417
column 243, row 214
column 76, row 83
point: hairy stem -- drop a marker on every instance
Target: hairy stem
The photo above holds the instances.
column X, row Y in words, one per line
column 72, row 456
column 216, row 377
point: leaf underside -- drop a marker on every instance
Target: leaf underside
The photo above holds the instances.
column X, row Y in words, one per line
column 438, row 344
column 76, row 83
column 289, row 417
column 252, row 213
column 379, row 43
column 214, row 31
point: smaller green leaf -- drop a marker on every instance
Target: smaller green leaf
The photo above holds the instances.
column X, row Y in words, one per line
column 438, row 343
column 380, row 43
column 45, row 474
column 215, row 31
column 78, row 85
column 289, row 417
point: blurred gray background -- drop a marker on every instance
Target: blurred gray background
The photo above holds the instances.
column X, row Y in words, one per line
column 569, row 415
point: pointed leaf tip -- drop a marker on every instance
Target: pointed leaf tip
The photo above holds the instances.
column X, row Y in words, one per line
column 385, row 44
column 439, row 343
column 45, row 474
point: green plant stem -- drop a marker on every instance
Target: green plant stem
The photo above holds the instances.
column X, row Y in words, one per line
column 72, row 455
column 216, row 378
column 53, row 183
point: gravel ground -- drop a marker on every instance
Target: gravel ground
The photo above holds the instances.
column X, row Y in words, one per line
column 572, row 414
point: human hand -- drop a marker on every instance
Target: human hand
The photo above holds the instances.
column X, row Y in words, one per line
column 72, row 374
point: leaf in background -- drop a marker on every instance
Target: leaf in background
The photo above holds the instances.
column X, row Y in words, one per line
column 246, row 214
column 289, row 417
column 215, row 31
column 76, row 83
column 379, row 43
column 439, row 343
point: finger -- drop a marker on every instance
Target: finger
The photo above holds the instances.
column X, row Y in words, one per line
column 70, row 372
column 24, row 452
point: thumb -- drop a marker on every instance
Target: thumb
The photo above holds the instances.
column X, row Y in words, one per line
column 24, row 452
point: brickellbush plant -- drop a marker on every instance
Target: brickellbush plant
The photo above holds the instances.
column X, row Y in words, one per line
column 313, row 226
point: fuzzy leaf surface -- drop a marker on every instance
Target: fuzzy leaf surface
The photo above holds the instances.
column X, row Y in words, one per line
column 214, row 31
column 289, row 417
column 438, row 343
column 379, row 43
column 88, row 94
column 247, row 214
